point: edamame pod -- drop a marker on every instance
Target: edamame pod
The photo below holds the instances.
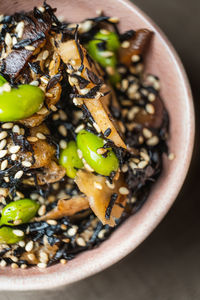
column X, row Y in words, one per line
column 69, row 159
column 19, row 212
column 20, row 103
column 7, row 236
column 89, row 143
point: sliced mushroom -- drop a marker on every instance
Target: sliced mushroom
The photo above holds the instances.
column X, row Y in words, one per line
column 97, row 106
column 67, row 208
column 138, row 45
column 35, row 30
column 99, row 194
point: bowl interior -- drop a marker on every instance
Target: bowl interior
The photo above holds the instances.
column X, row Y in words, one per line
column 163, row 62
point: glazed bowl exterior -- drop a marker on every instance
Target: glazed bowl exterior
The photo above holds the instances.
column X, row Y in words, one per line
column 162, row 61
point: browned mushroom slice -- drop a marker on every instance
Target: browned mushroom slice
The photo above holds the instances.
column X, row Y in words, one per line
column 100, row 194
column 67, row 208
column 97, row 105
column 50, row 174
column 138, row 46
column 35, row 30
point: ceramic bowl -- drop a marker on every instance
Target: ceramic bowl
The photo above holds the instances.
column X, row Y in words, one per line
column 163, row 62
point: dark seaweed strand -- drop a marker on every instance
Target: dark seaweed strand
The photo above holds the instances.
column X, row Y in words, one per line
column 79, row 49
column 113, row 198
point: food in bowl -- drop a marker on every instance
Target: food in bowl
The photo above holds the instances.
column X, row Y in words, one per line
column 82, row 133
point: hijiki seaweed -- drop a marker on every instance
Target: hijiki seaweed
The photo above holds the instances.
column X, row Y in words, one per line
column 31, row 46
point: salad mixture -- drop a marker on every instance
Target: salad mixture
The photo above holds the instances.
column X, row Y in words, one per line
column 82, row 133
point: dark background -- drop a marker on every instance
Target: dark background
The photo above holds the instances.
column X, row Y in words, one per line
column 167, row 265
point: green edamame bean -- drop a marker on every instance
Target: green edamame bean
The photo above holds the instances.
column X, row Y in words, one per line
column 112, row 44
column 19, row 212
column 88, row 143
column 2, row 80
column 7, row 236
column 20, row 103
column 69, row 159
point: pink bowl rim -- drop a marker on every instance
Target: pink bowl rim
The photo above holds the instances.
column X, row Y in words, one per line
column 49, row 281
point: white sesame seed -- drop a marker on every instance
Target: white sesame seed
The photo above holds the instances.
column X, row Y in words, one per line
column 101, row 151
column 14, row 149
column 21, row 243
column 114, row 19
column 124, row 168
column 123, row 190
column 96, row 126
column 29, row 48
column 3, row 263
column 53, row 107
column 152, row 97
column 63, row 144
column 150, row 109
column 34, row 82
column 133, row 165
column 135, row 58
column 3, row 144
column 23, row 266
column 13, row 157
column 8, row 39
column 147, row 133
column 1, row 18
column 156, row 85
column 104, row 31
column 97, row 185
column 44, row 257
column 110, row 185
column 6, row 87
column 41, row 136
column 3, row 153
column 3, row 135
column 63, row 261
column 153, row 141
column 31, row 256
column 52, row 222
column 41, row 8
column 79, row 128
column 106, row 53
column 77, row 101
column 142, row 164
column 7, row 125
column 14, row 40
column 84, row 91
column 14, row 266
column 4, row 164
column 80, row 242
column 145, row 156
column 29, row 246
column 19, row 28
column 32, row 139
column 171, row 156
column 45, row 54
column 42, row 210
column 16, row 129
column 101, row 234
column 62, row 115
column 18, row 232
column 42, row 265
column 19, row 174
column 62, row 130
column 125, row 44
column 72, row 231
column 6, row 179
column 26, row 164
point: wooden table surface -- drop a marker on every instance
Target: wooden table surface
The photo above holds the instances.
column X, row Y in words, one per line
column 167, row 265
